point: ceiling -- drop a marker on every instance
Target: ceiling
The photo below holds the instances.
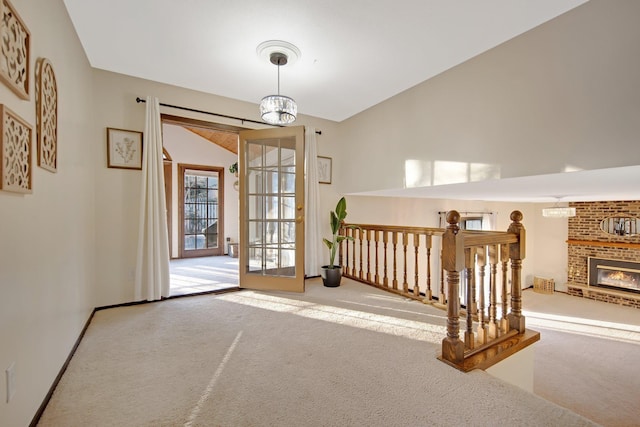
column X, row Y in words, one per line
column 354, row 54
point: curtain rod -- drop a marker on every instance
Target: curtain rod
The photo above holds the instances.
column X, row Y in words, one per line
column 139, row 100
column 468, row 212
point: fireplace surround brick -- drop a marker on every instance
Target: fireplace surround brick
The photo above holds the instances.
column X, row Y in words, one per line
column 586, row 239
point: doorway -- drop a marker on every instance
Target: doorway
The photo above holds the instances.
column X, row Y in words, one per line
column 201, row 208
column 204, row 211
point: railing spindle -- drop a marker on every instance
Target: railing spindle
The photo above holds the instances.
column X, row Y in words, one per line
column 395, row 260
column 375, row 237
column 469, row 261
column 360, row 272
column 493, row 273
column 385, row 240
column 416, row 246
column 368, row 237
column 405, row 284
column 504, row 261
column 482, row 321
column 353, row 254
column 428, row 293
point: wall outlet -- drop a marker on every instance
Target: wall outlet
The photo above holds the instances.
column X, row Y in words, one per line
column 10, row 374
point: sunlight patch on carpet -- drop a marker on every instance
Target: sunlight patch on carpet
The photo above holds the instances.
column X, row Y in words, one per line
column 205, row 395
column 373, row 322
column 588, row 327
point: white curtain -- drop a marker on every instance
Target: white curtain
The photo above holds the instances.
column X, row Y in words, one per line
column 489, row 221
column 313, row 241
column 152, row 268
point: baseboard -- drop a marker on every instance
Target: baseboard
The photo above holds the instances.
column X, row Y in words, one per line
column 45, row 402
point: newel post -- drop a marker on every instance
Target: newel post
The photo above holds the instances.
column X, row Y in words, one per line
column 453, row 263
column 517, row 254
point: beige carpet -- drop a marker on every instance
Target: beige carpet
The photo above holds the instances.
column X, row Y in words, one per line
column 347, row 356
column 587, row 359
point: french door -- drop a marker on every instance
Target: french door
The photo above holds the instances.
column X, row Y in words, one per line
column 272, row 209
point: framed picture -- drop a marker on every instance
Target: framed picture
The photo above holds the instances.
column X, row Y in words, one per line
column 324, row 170
column 124, row 149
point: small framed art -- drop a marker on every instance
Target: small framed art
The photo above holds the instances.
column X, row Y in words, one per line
column 324, row 170
column 124, row 149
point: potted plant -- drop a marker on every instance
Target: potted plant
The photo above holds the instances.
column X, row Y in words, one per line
column 234, row 168
column 332, row 273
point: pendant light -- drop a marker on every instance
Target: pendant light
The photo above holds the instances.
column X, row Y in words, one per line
column 558, row 211
column 278, row 109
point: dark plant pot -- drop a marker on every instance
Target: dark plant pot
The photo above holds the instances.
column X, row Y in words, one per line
column 331, row 276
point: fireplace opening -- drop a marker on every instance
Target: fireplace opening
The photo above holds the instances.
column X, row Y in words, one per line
column 614, row 274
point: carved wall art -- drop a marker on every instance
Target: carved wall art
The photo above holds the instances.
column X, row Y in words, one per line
column 15, row 42
column 47, row 116
column 15, row 152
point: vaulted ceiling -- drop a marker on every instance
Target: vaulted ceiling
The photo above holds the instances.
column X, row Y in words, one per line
column 354, row 54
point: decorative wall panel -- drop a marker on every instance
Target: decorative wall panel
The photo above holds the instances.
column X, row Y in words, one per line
column 15, row 41
column 15, row 152
column 47, row 116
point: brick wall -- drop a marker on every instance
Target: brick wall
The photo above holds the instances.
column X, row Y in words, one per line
column 585, row 226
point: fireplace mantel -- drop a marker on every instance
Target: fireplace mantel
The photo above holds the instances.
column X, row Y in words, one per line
column 603, row 244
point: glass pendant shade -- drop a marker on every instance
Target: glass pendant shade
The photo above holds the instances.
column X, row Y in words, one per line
column 558, row 212
column 278, row 109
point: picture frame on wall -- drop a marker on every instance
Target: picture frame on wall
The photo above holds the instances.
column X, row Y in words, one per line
column 124, row 149
column 324, row 170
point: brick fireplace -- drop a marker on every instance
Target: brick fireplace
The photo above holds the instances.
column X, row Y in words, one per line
column 588, row 242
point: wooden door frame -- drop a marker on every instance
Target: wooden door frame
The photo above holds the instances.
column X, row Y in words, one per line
column 168, row 187
column 182, row 167
column 189, row 122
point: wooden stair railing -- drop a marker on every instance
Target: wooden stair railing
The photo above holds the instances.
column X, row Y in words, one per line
column 468, row 252
column 400, row 260
column 394, row 258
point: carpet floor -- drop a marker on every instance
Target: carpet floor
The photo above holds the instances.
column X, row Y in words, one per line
column 587, row 357
column 347, row 356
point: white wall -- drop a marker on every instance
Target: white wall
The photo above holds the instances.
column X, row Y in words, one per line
column 563, row 96
column 47, row 238
column 189, row 148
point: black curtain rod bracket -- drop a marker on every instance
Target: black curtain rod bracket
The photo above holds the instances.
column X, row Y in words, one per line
column 139, row 100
